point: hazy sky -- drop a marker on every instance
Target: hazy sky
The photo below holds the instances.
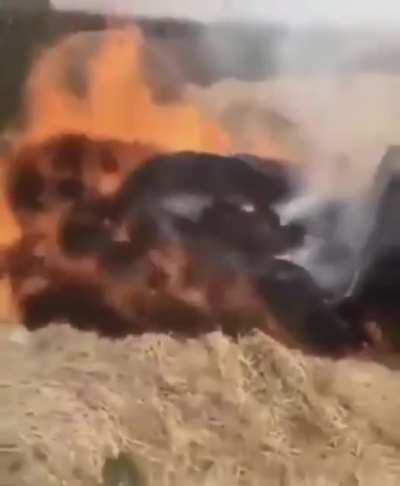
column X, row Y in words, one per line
column 293, row 11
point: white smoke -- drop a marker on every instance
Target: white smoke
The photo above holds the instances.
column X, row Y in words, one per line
column 297, row 12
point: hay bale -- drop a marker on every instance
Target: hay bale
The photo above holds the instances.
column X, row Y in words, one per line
column 201, row 412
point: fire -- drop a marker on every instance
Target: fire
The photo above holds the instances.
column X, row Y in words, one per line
column 83, row 242
column 9, row 230
column 116, row 113
column 117, row 105
column 118, row 102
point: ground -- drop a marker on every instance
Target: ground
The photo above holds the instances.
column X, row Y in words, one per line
column 201, row 412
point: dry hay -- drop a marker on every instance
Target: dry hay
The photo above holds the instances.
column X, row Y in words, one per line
column 204, row 412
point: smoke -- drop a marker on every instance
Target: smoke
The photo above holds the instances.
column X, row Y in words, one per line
column 341, row 109
column 303, row 12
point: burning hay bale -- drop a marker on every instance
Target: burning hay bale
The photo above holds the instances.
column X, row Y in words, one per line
column 110, row 239
column 124, row 239
column 182, row 242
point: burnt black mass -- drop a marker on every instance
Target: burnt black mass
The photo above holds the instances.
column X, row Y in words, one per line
column 123, row 239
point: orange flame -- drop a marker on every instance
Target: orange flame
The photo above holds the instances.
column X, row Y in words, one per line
column 118, row 103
